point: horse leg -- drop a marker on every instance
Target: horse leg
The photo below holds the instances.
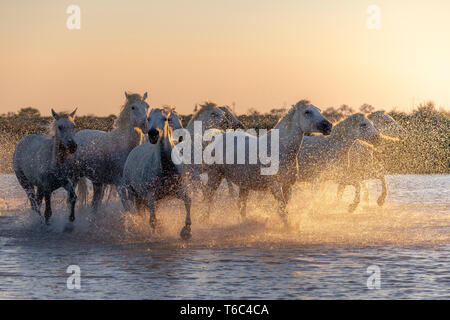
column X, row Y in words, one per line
column 365, row 191
column 287, row 192
column 29, row 190
column 39, row 197
column 185, row 233
column 210, row 189
column 383, row 195
column 150, row 204
column 242, row 201
column 98, row 195
column 277, row 192
column 124, row 197
column 71, row 199
column 357, row 198
column 140, row 207
column 340, row 190
column 48, row 207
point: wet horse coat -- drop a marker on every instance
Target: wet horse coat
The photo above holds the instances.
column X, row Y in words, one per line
column 41, row 161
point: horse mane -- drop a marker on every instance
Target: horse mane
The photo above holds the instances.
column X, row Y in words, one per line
column 199, row 109
column 51, row 128
column 341, row 128
column 124, row 116
column 168, row 108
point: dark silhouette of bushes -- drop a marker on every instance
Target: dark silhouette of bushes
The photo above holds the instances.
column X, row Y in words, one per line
column 425, row 148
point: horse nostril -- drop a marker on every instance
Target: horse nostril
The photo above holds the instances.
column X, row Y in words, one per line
column 325, row 126
column 180, row 139
column 153, row 135
column 72, row 146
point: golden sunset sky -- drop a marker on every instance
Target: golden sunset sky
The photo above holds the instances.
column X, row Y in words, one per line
column 256, row 53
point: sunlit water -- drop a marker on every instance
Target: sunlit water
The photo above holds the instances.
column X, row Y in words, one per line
column 324, row 252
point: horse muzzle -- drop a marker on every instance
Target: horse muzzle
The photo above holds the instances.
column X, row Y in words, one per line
column 325, row 127
column 153, row 136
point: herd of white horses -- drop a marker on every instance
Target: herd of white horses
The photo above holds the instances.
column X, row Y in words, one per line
column 136, row 158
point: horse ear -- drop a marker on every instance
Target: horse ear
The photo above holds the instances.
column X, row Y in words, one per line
column 72, row 115
column 145, row 96
column 54, row 114
column 126, row 95
column 196, row 108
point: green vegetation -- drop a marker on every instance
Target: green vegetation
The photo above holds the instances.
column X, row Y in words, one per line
column 425, row 149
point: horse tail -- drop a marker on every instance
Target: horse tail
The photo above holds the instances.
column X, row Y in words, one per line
column 83, row 191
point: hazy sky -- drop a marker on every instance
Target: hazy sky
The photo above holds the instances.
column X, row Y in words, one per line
column 256, row 53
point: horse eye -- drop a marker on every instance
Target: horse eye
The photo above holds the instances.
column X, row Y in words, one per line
column 363, row 125
column 60, row 127
column 307, row 112
column 132, row 108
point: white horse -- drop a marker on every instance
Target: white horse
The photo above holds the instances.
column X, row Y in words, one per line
column 362, row 159
column 150, row 175
column 174, row 120
column 386, row 125
column 325, row 158
column 41, row 161
column 211, row 116
column 101, row 155
column 301, row 118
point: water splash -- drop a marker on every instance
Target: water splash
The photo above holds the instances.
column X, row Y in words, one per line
column 318, row 219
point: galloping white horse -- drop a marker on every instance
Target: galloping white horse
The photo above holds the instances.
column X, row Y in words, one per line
column 150, row 175
column 324, row 158
column 41, row 161
column 301, row 118
column 102, row 155
column 211, row 116
column 362, row 161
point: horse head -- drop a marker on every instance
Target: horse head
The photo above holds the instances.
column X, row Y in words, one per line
column 386, row 125
column 358, row 126
column 63, row 128
column 213, row 117
column 310, row 118
column 157, row 124
column 134, row 113
column 233, row 121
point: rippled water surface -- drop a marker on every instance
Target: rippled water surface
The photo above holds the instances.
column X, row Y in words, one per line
column 324, row 252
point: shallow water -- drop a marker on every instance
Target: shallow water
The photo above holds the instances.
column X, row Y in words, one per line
column 324, row 252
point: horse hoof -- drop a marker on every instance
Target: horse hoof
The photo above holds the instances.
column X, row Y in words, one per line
column 185, row 233
column 380, row 201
